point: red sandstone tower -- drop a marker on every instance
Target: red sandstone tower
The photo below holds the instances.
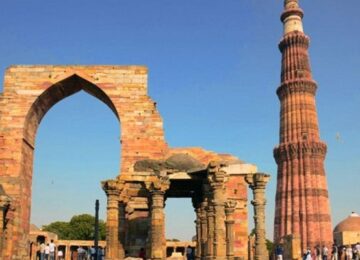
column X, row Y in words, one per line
column 302, row 202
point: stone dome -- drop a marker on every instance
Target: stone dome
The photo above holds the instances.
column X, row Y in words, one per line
column 351, row 223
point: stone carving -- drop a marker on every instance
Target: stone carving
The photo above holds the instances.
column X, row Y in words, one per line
column 216, row 175
column 289, row 151
column 160, row 183
column 111, row 187
column 176, row 162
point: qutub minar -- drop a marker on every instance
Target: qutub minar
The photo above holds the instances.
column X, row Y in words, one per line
column 302, row 201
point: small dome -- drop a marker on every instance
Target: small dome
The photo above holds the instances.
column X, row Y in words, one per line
column 351, row 223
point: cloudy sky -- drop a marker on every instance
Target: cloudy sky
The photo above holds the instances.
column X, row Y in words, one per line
column 214, row 68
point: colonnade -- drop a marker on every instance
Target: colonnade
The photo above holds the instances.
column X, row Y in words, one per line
column 214, row 217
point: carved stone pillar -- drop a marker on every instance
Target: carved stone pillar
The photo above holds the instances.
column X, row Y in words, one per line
column 217, row 179
column 203, row 228
column 122, row 223
column 198, row 235
column 210, row 232
column 257, row 183
column 229, row 222
column 197, row 208
column 114, row 248
column 157, row 190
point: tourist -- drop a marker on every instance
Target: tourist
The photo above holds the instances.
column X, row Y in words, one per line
column 348, row 253
column 189, row 253
column 317, row 252
column 47, row 251
column 81, row 253
column 342, row 253
column 42, row 251
column 307, row 254
column 142, row 254
column 101, row 253
column 93, row 253
column 52, row 250
column 60, row 255
column 325, row 252
column 279, row 251
column 357, row 247
column 334, row 252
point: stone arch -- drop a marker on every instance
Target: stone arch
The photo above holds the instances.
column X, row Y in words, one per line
column 54, row 94
column 30, row 91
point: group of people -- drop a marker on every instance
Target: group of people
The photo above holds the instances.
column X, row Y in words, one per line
column 349, row 252
column 89, row 254
column 47, row 251
column 323, row 253
column 142, row 254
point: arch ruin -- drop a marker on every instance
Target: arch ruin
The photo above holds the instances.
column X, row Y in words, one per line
column 151, row 171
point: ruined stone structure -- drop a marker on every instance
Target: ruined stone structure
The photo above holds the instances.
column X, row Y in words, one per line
column 150, row 171
column 302, row 202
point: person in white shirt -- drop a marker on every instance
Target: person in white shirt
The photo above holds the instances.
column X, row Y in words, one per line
column 325, row 252
column 52, row 250
column 357, row 248
column 47, row 251
column 348, row 252
column 60, row 255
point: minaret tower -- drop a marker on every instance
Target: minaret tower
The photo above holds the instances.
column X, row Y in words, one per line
column 302, row 201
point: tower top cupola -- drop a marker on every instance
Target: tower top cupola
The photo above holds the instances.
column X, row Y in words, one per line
column 292, row 17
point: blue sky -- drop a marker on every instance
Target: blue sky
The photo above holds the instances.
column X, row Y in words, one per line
column 214, row 68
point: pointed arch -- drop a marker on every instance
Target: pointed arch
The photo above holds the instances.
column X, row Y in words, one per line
column 57, row 92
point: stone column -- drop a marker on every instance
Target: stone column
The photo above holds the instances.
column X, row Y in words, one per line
column 210, row 232
column 157, row 190
column 197, row 208
column 67, row 252
column 203, row 228
column 217, row 179
column 257, row 183
column 114, row 248
column 123, row 203
column 122, row 221
column 229, row 222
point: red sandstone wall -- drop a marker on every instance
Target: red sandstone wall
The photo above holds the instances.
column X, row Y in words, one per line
column 30, row 91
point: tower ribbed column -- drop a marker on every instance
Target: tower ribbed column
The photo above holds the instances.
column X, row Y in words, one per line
column 302, row 202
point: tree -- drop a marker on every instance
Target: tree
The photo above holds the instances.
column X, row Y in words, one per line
column 80, row 227
column 61, row 228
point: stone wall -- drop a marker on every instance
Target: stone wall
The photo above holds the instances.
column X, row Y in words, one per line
column 30, row 91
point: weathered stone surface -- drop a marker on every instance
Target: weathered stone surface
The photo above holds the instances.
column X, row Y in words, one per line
column 178, row 162
column 257, row 183
column 302, row 202
column 135, row 217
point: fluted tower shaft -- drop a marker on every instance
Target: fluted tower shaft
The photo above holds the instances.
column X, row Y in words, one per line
column 302, row 201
